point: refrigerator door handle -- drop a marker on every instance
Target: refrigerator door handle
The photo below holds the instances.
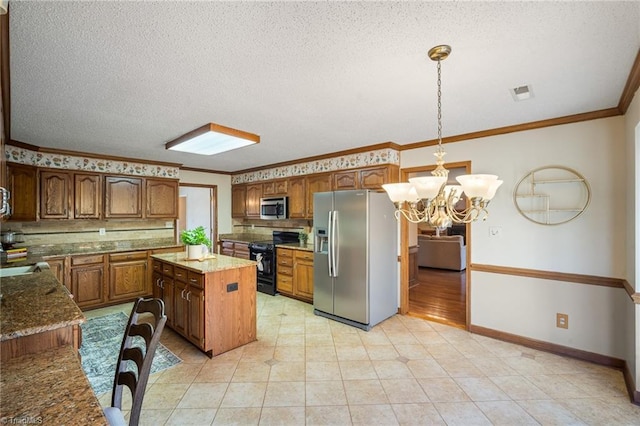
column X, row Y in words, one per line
column 334, row 243
column 329, row 249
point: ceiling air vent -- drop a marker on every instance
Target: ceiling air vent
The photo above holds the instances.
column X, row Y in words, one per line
column 521, row 93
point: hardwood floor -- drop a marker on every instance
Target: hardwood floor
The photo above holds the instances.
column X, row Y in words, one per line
column 440, row 295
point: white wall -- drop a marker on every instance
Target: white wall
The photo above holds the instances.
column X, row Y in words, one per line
column 632, row 139
column 223, row 182
column 592, row 244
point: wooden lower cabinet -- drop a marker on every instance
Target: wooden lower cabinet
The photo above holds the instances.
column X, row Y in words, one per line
column 234, row 249
column 88, row 280
column 294, row 273
column 128, row 276
column 216, row 311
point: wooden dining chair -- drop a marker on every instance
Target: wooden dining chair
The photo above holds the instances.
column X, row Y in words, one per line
column 147, row 321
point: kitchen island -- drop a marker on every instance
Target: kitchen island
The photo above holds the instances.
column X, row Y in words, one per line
column 211, row 302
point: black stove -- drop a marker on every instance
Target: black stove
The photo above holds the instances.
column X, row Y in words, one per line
column 264, row 253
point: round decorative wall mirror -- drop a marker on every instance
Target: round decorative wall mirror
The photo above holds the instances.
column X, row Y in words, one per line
column 552, row 195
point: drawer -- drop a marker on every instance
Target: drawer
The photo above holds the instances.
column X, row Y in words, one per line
column 167, row 269
column 304, row 255
column 227, row 244
column 195, row 279
column 285, row 261
column 280, row 252
column 87, row 260
column 285, row 270
column 132, row 255
column 284, row 283
column 180, row 274
column 157, row 266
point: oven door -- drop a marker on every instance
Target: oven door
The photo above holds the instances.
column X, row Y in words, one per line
column 265, row 262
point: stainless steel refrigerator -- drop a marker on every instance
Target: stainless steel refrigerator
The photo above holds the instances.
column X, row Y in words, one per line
column 355, row 261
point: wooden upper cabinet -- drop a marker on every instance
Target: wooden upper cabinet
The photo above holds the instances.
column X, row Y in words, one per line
column 349, row 179
column 238, row 200
column 87, row 196
column 55, row 195
column 254, row 193
column 22, row 182
column 123, row 197
column 162, row 198
column 275, row 187
column 316, row 183
column 375, row 177
column 297, row 197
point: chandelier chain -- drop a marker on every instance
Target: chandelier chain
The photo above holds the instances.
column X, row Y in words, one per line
column 439, row 108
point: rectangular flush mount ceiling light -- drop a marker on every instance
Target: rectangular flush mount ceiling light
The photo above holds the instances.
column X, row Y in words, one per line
column 212, row 139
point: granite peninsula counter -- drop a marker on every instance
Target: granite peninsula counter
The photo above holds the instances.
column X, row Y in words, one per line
column 210, row 302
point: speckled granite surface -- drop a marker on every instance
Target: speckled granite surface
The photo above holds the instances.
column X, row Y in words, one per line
column 296, row 246
column 217, row 263
column 244, row 238
column 48, row 388
column 35, row 303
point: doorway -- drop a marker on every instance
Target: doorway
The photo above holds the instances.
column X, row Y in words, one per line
column 436, row 293
column 197, row 206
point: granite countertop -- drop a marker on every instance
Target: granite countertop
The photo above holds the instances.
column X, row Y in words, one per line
column 296, row 246
column 211, row 263
column 35, row 303
column 244, row 238
column 48, row 388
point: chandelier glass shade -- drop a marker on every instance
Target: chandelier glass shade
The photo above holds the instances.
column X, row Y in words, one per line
column 431, row 199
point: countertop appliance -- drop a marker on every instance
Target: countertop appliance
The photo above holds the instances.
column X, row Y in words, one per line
column 264, row 253
column 274, row 208
column 355, row 261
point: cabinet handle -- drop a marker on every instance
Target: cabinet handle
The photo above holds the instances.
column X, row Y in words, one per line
column 193, row 280
column 182, row 293
column 188, row 293
column 158, row 282
column 162, row 284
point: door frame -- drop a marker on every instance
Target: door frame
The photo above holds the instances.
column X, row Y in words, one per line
column 213, row 219
column 404, row 245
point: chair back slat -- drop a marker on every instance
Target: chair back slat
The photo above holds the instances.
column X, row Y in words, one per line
column 147, row 321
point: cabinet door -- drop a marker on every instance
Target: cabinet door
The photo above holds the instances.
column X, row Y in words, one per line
column 128, row 280
column 162, row 198
column 254, row 193
column 57, row 267
column 275, row 187
column 23, row 186
column 374, row 178
column 317, row 183
column 55, row 195
column 87, row 196
column 156, row 282
column 346, row 180
column 195, row 298
column 123, row 197
column 297, row 197
column 181, row 307
column 169, row 299
column 87, row 285
column 238, row 200
column 303, row 275
column 241, row 250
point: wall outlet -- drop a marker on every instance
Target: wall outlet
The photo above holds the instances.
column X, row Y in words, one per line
column 168, row 224
column 102, row 231
column 562, row 320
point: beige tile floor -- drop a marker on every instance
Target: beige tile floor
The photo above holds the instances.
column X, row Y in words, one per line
column 305, row 369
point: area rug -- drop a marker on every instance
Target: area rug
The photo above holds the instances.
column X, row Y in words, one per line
column 101, row 340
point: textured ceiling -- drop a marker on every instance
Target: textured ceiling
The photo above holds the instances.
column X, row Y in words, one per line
column 124, row 78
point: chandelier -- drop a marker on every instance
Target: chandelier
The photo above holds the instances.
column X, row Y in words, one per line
column 429, row 198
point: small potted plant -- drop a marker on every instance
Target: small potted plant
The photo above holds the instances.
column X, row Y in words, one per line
column 303, row 237
column 196, row 241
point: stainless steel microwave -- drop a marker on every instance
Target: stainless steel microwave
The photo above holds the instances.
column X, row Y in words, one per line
column 274, row 208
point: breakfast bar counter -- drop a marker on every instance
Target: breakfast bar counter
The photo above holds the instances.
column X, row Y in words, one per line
column 48, row 388
column 36, row 313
